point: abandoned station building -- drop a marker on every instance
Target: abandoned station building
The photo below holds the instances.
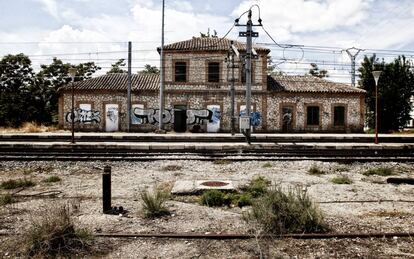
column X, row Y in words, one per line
column 197, row 96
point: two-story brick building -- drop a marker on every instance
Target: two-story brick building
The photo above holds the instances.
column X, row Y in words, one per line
column 197, row 96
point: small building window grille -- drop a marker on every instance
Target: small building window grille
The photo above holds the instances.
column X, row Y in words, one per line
column 180, row 72
column 213, row 72
column 312, row 116
column 339, row 116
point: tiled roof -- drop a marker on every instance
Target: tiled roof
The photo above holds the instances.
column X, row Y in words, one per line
column 118, row 82
column 295, row 84
column 308, row 84
column 209, row 44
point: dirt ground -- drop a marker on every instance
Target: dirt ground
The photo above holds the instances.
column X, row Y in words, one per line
column 80, row 185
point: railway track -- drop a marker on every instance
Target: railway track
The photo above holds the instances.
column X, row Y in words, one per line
column 292, row 154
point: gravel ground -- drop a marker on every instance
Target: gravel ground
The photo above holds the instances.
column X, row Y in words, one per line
column 81, row 185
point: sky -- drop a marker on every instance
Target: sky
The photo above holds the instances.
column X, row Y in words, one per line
column 97, row 30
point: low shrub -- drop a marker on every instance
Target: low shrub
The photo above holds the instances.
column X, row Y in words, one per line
column 315, row 170
column 245, row 199
column 19, row 183
column 52, row 179
column 6, row 199
column 221, row 162
column 154, row 203
column 172, row 168
column 341, row 180
column 257, row 186
column 381, row 171
column 54, row 235
column 279, row 212
column 267, row 165
column 213, row 198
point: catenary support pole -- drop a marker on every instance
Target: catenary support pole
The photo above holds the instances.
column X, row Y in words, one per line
column 249, row 32
column 129, row 107
column 353, row 53
column 232, row 92
column 161, row 112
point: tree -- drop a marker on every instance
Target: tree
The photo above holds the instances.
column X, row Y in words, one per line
column 395, row 87
column 116, row 68
column 17, row 81
column 51, row 78
column 314, row 71
column 150, row 70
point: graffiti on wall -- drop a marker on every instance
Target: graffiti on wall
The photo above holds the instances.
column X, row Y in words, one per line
column 256, row 117
column 199, row 116
column 151, row 116
column 84, row 116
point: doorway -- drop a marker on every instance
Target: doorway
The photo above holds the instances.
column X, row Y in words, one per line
column 287, row 118
column 180, row 118
column 111, row 117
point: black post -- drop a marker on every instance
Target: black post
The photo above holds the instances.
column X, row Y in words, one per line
column 106, row 189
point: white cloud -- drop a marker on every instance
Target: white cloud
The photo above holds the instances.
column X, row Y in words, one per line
column 51, row 7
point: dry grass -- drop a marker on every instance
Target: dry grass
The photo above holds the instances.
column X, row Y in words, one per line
column 342, row 179
column 221, row 162
column 391, row 214
column 315, row 170
column 154, row 203
column 54, row 235
column 29, row 127
column 279, row 212
column 14, row 184
column 172, row 168
column 381, row 171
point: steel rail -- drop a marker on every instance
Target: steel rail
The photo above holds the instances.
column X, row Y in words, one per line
column 224, row 236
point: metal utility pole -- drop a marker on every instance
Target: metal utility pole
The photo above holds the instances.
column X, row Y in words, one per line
column 353, row 53
column 129, row 107
column 72, row 73
column 249, row 34
column 161, row 124
column 233, row 52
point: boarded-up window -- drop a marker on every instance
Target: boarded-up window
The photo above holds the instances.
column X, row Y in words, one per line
column 339, row 116
column 180, row 72
column 214, row 72
column 312, row 115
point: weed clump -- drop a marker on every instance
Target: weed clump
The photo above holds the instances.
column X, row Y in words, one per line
column 381, row 171
column 154, row 203
column 216, row 198
column 55, row 235
column 257, row 186
column 19, row 183
column 6, row 199
column 315, row 170
column 279, row 212
column 267, row 165
column 341, row 180
column 172, row 168
column 52, row 179
column 221, row 162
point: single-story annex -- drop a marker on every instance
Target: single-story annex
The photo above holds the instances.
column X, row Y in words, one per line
column 197, row 96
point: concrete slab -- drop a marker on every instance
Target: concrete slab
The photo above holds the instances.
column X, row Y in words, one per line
column 195, row 186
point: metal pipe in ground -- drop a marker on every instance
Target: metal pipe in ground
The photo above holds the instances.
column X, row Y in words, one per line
column 106, row 190
column 249, row 236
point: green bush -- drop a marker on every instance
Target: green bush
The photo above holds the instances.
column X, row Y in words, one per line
column 19, row 183
column 6, row 199
column 342, row 180
column 267, row 165
column 154, row 203
column 315, row 170
column 52, row 179
column 221, row 162
column 258, row 186
column 279, row 212
column 381, row 171
column 214, row 198
column 55, row 235
column 245, row 199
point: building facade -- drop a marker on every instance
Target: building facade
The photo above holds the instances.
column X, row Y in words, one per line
column 197, row 98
